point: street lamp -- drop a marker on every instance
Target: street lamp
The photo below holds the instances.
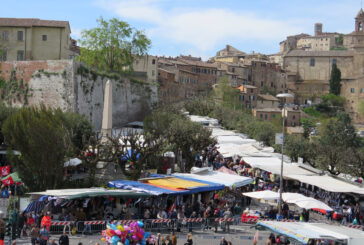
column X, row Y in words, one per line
column 284, row 96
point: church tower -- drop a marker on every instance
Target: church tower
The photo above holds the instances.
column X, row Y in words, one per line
column 359, row 21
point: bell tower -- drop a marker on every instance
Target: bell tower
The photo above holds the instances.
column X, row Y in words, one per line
column 359, row 21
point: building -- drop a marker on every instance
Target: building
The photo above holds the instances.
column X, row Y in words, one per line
column 180, row 78
column 355, row 40
column 266, row 101
column 321, row 41
column 292, row 117
column 229, row 54
column 146, row 66
column 267, row 114
column 35, row 39
column 248, row 95
column 309, row 71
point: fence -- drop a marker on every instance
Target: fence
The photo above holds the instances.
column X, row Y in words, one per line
column 96, row 226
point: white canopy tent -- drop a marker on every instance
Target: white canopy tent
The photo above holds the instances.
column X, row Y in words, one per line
column 229, row 150
column 288, row 197
column 303, row 232
column 273, row 165
column 328, row 183
column 204, row 120
column 205, row 174
column 72, row 162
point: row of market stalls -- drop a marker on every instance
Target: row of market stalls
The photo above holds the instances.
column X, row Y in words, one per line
column 232, row 144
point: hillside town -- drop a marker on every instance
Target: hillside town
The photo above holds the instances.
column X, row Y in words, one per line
column 102, row 142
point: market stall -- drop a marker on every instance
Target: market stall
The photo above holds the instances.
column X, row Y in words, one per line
column 308, row 233
column 205, row 174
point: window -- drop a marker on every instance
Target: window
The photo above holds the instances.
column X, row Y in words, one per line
column 261, row 116
column 251, row 90
column 20, row 36
column 272, row 103
column 153, row 61
column 265, row 117
column 293, row 117
column 312, row 62
column 271, row 84
column 233, row 69
column 261, row 84
column 44, row 37
column 352, row 90
column 4, row 55
column 5, row 35
column 136, row 61
column 261, row 101
column 153, row 72
column 193, row 69
column 198, row 70
column 241, row 97
column 361, row 90
column 273, row 115
column 20, row 55
column 181, row 79
column 334, row 61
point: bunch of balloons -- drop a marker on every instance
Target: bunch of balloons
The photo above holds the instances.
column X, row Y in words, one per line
column 131, row 234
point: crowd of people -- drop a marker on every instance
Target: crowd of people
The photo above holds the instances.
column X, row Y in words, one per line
column 346, row 207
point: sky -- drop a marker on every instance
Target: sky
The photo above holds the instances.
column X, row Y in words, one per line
column 198, row 27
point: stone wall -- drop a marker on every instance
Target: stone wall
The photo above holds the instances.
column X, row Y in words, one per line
column 68, row 85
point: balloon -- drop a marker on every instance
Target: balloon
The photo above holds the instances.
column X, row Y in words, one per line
column 113, row 227
column 117, row 232
column 140, row 236
column 103, row 239
column 115, row 239
column 146, row 234
column 126, row 242
column 119, row 243
column 108, row 226
column 113, row 232
column 120, row 228
column 134, row 237
column 132, row 231
column 141, row 224
column 108, row 232
column 126, row 228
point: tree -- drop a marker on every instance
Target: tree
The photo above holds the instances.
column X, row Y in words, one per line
column 228, row 95
column 5, row 112
column 40, row 136
column 181, row 135
column 335, row 80
column 337, row 136
column 296, row 146
column 112, row 45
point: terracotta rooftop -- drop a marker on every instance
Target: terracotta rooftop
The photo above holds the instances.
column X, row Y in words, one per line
column 24, row 22
column 197, row 63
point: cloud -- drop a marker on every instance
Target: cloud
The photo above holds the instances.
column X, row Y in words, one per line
column 76, row 33
column 200, row 28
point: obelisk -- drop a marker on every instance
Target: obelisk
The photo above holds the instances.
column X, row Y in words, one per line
column 106, row 129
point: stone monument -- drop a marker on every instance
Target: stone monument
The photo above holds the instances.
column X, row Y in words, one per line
column 106, row 129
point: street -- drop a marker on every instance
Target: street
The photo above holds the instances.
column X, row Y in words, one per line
column 241, row 234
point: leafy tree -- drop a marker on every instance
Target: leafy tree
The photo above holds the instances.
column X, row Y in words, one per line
column 296, row 146
column 79, row 128
column 179, row 133
column 5, row 112
column 40, row 136
column 112, row 45
column 338, row 136
column 262, row 131
column 227, row 95
column 335, row 80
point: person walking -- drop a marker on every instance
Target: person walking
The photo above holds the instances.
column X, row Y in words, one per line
column 34, row 233
column 223, row 241
column 173, row 239
column 189, row 239
column 63, row 240
column 44, row 235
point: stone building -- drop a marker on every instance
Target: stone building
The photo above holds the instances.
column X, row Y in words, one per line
column 248, row 95
column 146, row 66
column 267, row 114
column 35, row 39
column 266, row 101
column 355, row 40
column 229, row 54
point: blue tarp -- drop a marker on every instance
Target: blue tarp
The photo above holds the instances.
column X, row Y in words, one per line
column 129, row 154
column 138, row 186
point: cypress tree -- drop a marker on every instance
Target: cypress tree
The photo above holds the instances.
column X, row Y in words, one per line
column 335, row 80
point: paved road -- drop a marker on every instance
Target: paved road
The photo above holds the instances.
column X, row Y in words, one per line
column 241, row 234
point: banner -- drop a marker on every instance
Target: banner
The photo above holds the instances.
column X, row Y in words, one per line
column 5, row 171
column 8, row 181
